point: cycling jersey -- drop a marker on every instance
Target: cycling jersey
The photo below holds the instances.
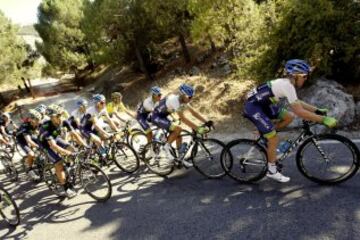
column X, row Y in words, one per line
column 91, row 113
column 111, row 107
column 25, row 129
column 273, row 91
column 261, row 104
column 76, row 114
column 143, row 112
column 166, row 106
column 48, row 131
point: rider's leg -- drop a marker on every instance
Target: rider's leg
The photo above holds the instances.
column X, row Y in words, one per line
column 3, row 140
column 272, row 144
column 60, row 173
column 285, row 119
column 77, row 138
column 30, row 159
column 174, row 135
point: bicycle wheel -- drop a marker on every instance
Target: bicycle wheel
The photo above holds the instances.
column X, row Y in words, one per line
column 328, row 158
column 156, row 159
column 51, row 181
column 9, row 209
column 138, row 141
column 9, row 167
column 206, row 157
column 244, row 160
column 95, row 182
column 125, row 157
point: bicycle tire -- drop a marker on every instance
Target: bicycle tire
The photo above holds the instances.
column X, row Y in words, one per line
column 126, row 152
column 136, row 143
column 5, row 196
column 151, row 161
column 328, row 137
column 51, row 181
column 10, row 169
column 203, row 168
column 93, row 169
column 229, row 159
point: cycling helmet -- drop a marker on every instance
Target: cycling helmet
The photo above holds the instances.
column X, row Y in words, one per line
column 82, row 102
column 41, row 108
column 6, row 114
column 116, row 95
column 155, row 90
column 35, row 114
column 187, row 90
column 98, row 98
column 54, row 109
column 295, row 66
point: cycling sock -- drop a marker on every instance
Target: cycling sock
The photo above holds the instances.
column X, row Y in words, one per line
column 272, row 168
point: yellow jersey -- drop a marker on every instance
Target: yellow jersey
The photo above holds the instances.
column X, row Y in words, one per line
column 111, row 107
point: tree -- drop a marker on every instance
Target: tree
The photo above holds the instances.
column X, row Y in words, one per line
column 63, row 44
column 12, row 51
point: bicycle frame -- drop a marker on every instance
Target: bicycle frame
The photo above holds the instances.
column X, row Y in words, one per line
column 295, row 143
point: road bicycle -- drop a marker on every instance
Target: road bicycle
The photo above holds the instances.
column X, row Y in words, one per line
column 9, row 210
column 9, row 166
column 202, row 151
column 80, row 173
column 322, row 158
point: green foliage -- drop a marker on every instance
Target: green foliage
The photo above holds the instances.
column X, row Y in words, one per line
column 63, row 43
column 263, row 34
column 259, row 34
column 12, row 51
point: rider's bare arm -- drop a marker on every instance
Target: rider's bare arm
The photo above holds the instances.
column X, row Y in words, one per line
column 196, row 114
column 130, row 113
column 308, row 107
column 57, row 148
column 99, row 128
column 111, row 122
column 3, row 131
column 301, row 112
column 118, row 117
column 30, row 141
column 186, row 120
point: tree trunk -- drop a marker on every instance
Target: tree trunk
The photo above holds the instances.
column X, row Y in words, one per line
column 31, row 89
column 212, row 44
column 184, row 48
column 140, row 59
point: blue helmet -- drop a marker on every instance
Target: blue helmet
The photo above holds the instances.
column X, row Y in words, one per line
column 82, row 102
column 295, row 66
column 187, row 90
column 41, row 108
column 155, row 90
column 98, row 98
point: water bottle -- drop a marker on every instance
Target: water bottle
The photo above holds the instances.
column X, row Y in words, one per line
column 183, row 148
column 284, row 147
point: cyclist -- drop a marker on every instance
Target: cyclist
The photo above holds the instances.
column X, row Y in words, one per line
column 145, row 108
column 5, row 122
column 116, row 106
column 176, row 103
column 93, row 126
column 76, row 136
column 27, row 141
column 56, row 147
column 261, row 106
column 77, row 116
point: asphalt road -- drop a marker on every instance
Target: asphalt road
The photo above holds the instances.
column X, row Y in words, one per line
column 187, row 206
